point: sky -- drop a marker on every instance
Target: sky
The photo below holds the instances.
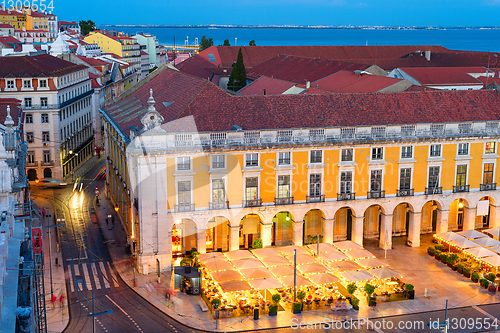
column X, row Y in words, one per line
column 285, row 12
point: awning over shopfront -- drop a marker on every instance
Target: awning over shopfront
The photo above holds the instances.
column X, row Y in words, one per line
column 480, row 252
column 218, row 265
column 347, row 245
column 247, row 263
column 323, row 247
column 266, row 283
column 356, row 276
column 359, row 254
column 238, row 254
column 288, row 281
column 486, row 241
column 448, row 236
column 471, row 234
column 289, row 250
column 302, row 259
column 278, row 260
column 342, row 266
column 493, row 260
column 222, row 276
column 495, row 232
column 228, row 286
column 371, row 263
column 211, row 256
column 333, row 256
column 311, row 268
column 282, row 270
column 464, row 243
column 384, row 273
column 323, row 278
column 267, row 252
column 256, row 273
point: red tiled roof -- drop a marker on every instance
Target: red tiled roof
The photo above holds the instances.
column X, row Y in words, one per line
column 254, row 55
column 15, row 109
column 196, row 66
column 96, row 84
column 66, row 22
column 11, row 42
column 419, row 88
column 92, row 61
column 11, row 13
column 444, row 75
column 316, row 91
column 300, row 69
column 271, row 85
column 349, row 82
column 6, row 26
column 33, row 66
column 36, row 14
column 213, row 109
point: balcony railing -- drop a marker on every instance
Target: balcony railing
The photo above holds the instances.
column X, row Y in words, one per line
column 315, row 198
column 375, row 194
column 433, row 190
column 184, row 208
column 218, row 205
column 48, row 163
column 346, row 196
column 405, row 193
column 488, row 187
column 252, row 203
column 283, row 201
column 461, row 188
column 32, row 164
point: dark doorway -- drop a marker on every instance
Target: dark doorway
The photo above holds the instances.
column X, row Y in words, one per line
column 349, row 224
column 47, row 173
column 32, row 175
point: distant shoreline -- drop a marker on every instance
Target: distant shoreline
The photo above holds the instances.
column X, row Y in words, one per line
column 291, row 27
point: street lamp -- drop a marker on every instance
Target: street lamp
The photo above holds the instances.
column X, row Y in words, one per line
column 117, row 208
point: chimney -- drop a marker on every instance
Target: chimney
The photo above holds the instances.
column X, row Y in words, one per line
column 428, row 55
column 264, row 92
column 308, row 84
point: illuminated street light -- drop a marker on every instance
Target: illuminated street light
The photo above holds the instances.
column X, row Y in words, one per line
column 117, row 208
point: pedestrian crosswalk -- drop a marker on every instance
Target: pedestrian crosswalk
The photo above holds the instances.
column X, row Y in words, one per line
column 91, row 276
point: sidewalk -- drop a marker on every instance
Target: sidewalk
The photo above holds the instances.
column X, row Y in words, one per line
column 416, row 266
column 57, row 313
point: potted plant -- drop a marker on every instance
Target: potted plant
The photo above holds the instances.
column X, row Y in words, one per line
column 437, row 254
column 215, row 303
column 351, row 288
column 297, row 307
column 443, row 257
column 491, row 277
column 370, row 289
column 257, row 243
column 354, row 302
column 439, row 247
column 273, row 309
column 484, row 283
column 194, row 257
column 466, row 271
column 474, row 277
column 431, row 250
column 410, row 290
column 451, row 259
column 301, row 294
column 460, row 268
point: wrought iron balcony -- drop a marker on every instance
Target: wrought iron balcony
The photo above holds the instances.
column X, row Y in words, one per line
column 283, row 201
column 252, row 203
column 346, row 196
column 461, row 188
column 405, row 193
column 49, row 163
column 488, row 187
column 433, row 190
column 32, row 164
column 184, row 207
column 315, row 198
column 375, row 194
column 218, row 205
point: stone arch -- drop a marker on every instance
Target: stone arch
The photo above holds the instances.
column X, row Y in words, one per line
column 401, row 216
column 459, row 216
column 217, row 231
column 47, row 173
column 184, row 237
column 485, row 212
column 250, row 228
column 32, row 176
column 314, row 224
column 343, row 223
column 372, row 222
column 282, row 228
column 431, row 216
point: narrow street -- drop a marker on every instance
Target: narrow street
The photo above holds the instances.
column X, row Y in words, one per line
column 90, row 272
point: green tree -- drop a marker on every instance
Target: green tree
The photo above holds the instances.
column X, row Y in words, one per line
column 86, row 26
column 226, row 42
column 238, row 78
column 252, row 43
column 206, row 43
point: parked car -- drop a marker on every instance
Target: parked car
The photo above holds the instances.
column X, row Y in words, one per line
column 47, row 182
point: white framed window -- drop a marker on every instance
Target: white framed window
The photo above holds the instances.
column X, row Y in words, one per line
column 252, row 188
column 407, row 152
column 433, row 182
column 252, row 160
column 315, row 184
column 488, row 173
column 44, row 102
column 30, row 137
column 218, row 191
column 45, row 118
column 376, row 180
column 284, row 158
column 461, row 179
column 10, row 84
column 377, row 153
column 183, row 163
column 490, row 148
column 28, row 102
column 463, row 149
column 42, row 83
column 347, row 155
column 405, row 178
column 346, row 182
column 45, row 136
column 184, row 192
column 27, row 84
column 316, row 156
column 284, row 186
column 29, row 118
column 218, row 162
column 435, row 151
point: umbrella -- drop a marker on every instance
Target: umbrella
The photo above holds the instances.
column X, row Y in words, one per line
column 359, row 254
column 371, row 263
column 384, row 273
column 288, row 250
column 311, row 268
column 357, row 276
column 471, row 234
column 266, row 283
column 323, row 278
column 464, row 243
column 228, row 286
column 247, row 263
column 256, row 273
column 218, row 265
column 487, row 241
column 342, row 266
column 275, row 261
column 480, row 252
column 495, row 232
column 323, row 247
column 302, row 259
column 333, row 256
column 282, row 270
column 226, row 276
column 347, row 245
column 493, row 261
column 301, row 281
column 210, row 256
column 266, row 252
column 448, row 236
column 495, row 249
column 239, row 254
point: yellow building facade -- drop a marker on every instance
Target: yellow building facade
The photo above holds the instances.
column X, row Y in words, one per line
column 125, row 47
column 178, row 189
